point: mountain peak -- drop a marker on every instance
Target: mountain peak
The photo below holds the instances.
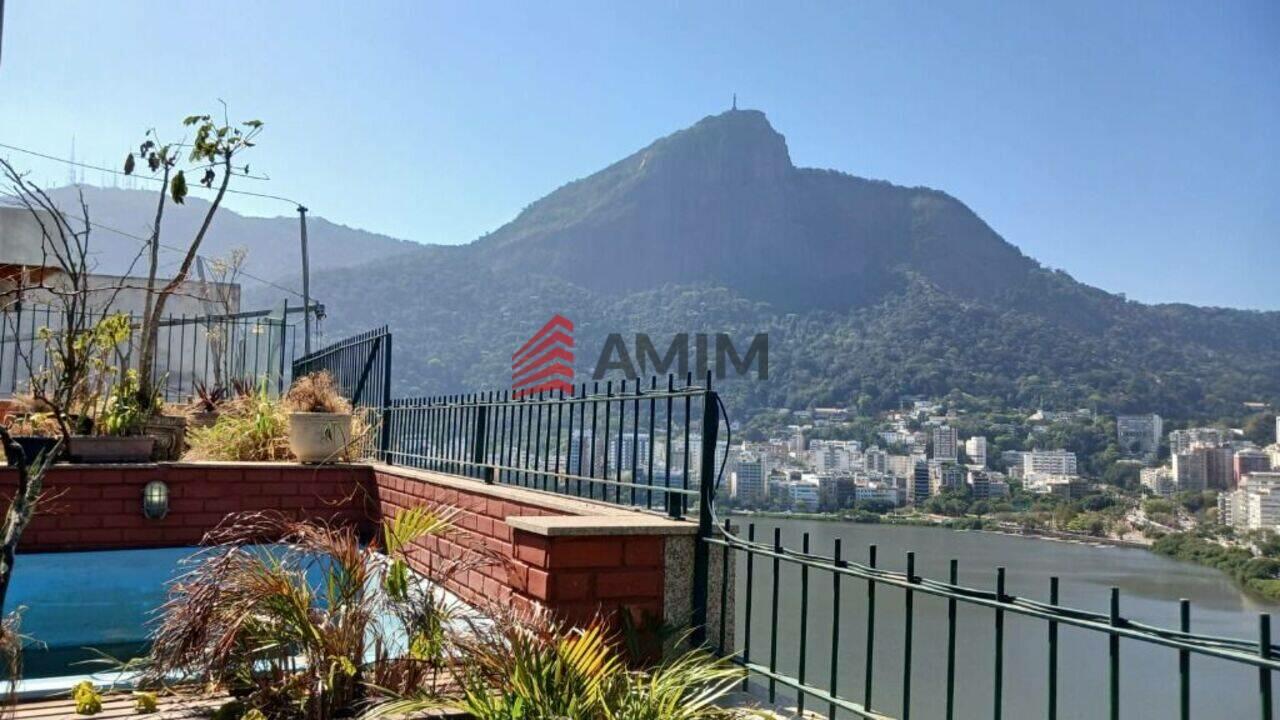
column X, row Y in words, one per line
column 737, row 144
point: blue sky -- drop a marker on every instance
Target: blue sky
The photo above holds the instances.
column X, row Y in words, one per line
column 1135, row 145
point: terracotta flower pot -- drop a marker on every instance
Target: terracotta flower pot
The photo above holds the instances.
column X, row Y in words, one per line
column 319, row 437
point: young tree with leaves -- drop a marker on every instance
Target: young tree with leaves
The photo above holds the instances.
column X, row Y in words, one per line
column 213, row 153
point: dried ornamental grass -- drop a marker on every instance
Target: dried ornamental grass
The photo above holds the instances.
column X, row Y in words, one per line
column 316, row 393
column 249, row 428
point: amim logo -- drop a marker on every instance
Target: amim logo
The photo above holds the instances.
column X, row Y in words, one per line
column 545, row 361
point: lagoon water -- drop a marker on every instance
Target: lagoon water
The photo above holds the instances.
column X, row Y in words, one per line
column 1150, row 585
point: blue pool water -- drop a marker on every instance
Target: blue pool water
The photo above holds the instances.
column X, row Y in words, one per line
column 78, row 602
column 81, row 602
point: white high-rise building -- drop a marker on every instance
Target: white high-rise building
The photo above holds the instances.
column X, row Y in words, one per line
column 1255, row 505
column 976, row 448
column 1049, row 462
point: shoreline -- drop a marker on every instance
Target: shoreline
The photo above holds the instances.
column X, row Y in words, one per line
column 1257, row 591
column 955, row 524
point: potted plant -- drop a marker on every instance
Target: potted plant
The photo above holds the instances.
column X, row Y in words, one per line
column 169, row 429
column 120, row 425
column 32, row 427
column 320, row 419
column 204, row 407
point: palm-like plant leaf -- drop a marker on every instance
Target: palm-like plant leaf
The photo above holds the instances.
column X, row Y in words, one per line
column 412, row 524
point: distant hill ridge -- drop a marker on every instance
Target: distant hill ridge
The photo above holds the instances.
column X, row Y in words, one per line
column 273, row 243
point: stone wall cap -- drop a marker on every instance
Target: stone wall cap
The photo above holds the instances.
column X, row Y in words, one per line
column 555, row 502
column 595, row 525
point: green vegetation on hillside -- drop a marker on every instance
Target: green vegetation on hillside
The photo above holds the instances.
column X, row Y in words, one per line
column 1259, row 573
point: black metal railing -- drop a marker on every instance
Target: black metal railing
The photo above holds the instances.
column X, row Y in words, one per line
column 360, row 364
column 814, row 573
column 213, row 350
column 627, row 444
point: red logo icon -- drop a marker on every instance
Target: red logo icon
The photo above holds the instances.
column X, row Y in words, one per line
column 545, row 361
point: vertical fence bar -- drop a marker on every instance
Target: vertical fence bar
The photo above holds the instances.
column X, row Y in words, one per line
column 804, row 626
column 620, row 459
column 653, row 410
column 478, row 445
column 595, row 414
column 608, row 416
column 833, row 680
column 868, row 663
column 673, row 505
column 773, row 612
column 1052, row 712
column 635, row 442
column 723, row 620
column 688, row 450
column 560, row 433
column 998, row 670
column 1113, row 652
column 1184, row 662
column 953, row 578
column 537, row 444
column 384, row 441
column 908, row 622
column 751, row 567
column 1264, row 673
column 283, row 320
column 706, row 498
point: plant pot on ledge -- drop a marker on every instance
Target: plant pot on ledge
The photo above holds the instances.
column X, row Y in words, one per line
column 35, row 445
column 318, row 437
column 91, row 449
column 170, row 433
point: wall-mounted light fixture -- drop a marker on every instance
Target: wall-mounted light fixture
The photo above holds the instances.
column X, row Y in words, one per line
column 155, row 500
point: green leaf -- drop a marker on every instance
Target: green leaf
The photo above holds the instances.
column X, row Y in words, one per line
column 178, row 188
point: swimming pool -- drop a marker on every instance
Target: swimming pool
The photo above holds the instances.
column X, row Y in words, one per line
column 78, row 600
column 80, row 604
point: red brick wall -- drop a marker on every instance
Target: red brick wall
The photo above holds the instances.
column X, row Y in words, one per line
column 577, row 577
column 91, row 507
column 581, row 576
column 100, row 507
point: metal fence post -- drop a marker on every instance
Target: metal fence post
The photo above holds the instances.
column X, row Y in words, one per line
column 480, row 435
column 384, row 439
column 706, row 497
column 284, row 331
